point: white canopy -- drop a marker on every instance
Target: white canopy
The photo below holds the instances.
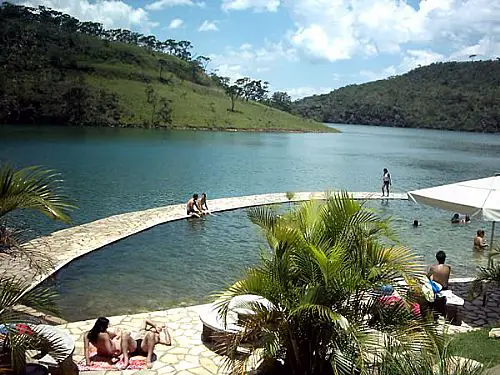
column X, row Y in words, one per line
column 473, row 197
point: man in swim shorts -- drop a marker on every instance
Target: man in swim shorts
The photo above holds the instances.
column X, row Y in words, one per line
column 192, row 208
column 440, row 272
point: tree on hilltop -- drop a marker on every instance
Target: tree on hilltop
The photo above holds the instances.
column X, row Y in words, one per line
column 281, row 100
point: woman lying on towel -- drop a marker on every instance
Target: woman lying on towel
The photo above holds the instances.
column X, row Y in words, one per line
column 115, row 342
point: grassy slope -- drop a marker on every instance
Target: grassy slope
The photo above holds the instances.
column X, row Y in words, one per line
column 194, row 106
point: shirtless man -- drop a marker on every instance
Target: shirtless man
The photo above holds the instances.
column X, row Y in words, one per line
column 113, row 343
column 192, row 208
column 440, row 272
column 479, row 243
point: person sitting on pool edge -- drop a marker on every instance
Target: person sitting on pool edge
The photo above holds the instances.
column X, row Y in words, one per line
column 114, row 342
column 202, row 204
column 192, row 208
column 440, row 272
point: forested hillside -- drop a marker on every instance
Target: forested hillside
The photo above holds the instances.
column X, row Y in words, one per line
column 56, row 70
column 453, row 96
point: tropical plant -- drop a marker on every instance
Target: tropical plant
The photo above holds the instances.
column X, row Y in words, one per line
column 40, row 190
column 437, row 361
column 290, row 195
column 485, row 275
column 19, row 331
column 32, row 188
column 326, row 261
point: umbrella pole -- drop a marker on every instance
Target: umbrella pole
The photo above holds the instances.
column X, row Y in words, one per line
column 490, row 252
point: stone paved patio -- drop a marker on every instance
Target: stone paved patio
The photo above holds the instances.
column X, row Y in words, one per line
column 473, row 312
column 187, row 355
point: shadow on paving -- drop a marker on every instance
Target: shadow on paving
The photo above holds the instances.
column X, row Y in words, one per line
column 473, row 313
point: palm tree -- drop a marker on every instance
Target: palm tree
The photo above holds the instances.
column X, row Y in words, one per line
column 31, row 188
column 36, row 189
column 15, row 341
column 326, row 260
column 438, row 361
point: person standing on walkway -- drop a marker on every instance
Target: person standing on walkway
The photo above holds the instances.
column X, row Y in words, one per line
column 386, row 182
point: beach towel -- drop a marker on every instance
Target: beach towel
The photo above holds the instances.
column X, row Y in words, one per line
column 102, row 363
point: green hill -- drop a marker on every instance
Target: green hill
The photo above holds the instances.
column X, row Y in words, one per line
column 56, row 70
column 453, row 96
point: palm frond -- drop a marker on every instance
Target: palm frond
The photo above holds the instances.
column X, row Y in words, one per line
column 263, row 216
column 33, row 188
column 15, row 243
column 14, row 292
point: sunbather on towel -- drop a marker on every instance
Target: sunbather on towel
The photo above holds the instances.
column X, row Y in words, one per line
column 113, row 343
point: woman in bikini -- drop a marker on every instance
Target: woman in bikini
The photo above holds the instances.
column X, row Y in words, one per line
column 113, row 343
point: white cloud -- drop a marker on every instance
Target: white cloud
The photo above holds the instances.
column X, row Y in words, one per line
column 111, row 13
column 162, row 4
column 256, row 5
column 411, row 59
column 341, row 29
column 208, row 26
column 247, row 60
column 416, row 58
column 175, row 23
column 301, row 92
column 487, row 47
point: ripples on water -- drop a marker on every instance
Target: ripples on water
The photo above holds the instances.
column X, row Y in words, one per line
column 111, row 171
column 183, row 262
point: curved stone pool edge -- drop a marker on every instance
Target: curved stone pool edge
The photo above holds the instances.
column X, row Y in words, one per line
column 66, row 245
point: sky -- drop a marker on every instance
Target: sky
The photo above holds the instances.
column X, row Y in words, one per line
column 307, row 47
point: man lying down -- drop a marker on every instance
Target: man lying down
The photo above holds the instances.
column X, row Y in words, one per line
column 113, row 342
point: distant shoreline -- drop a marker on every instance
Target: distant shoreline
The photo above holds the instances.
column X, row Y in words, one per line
column 188, row 127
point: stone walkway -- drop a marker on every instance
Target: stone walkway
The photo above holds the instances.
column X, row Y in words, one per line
column 63, row 246
column 473, row 312
column 189, row 356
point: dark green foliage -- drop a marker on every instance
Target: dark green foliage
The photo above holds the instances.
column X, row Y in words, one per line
column 45, row 55
column 161, row 112
column 57, row 70
column 281, row 100
column 454, row 96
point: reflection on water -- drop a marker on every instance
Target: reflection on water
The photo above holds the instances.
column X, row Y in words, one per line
column 184, row 262
column 111, row 171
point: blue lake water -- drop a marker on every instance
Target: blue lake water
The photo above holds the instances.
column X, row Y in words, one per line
column 110, row 171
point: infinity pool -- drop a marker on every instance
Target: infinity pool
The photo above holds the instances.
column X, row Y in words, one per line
column 184, row 262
